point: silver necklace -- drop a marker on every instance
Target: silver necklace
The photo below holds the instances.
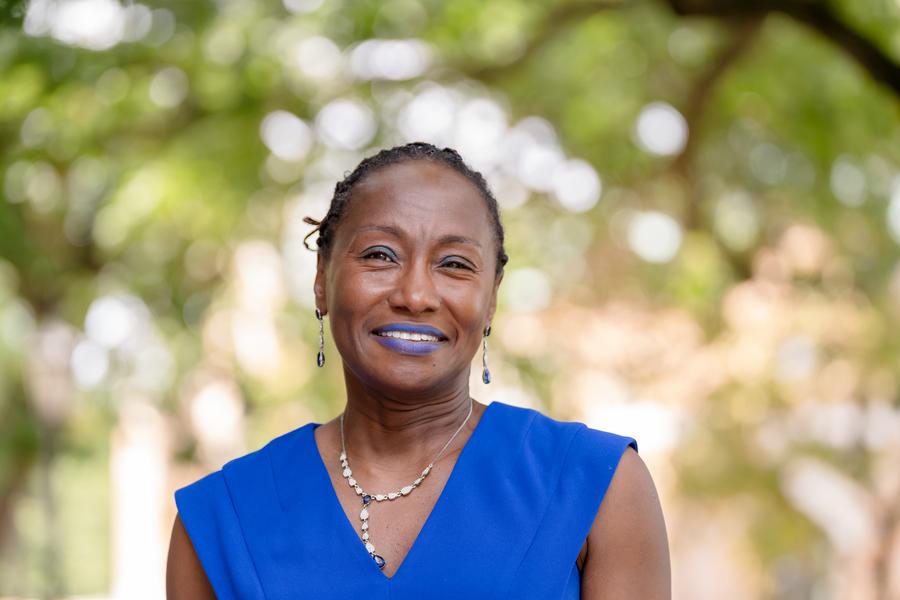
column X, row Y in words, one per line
column 404, row 491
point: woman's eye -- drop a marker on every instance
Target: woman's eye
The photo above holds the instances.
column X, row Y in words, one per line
column 379, row 255
column 456, row 264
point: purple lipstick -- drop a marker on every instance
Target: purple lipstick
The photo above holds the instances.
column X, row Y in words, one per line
column 410, row 338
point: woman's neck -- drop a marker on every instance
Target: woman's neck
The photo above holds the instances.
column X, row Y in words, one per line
column 387, row 432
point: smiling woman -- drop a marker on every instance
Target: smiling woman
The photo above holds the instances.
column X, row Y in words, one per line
column 446, row 497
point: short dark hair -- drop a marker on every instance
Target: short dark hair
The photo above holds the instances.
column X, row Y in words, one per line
column 412, row 151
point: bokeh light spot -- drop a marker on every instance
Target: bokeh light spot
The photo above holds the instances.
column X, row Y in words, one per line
column 661, row 129
column 654, row 236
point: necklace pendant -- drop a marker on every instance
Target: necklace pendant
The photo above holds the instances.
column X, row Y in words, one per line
column 368, row 498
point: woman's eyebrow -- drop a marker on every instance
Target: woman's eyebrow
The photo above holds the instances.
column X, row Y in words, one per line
column 444, row 240
column 458, row 239
column 383, row 228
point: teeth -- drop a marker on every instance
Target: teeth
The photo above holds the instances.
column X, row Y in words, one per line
column 405, row 335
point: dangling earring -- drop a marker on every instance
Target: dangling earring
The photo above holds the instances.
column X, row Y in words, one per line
column 320, row 357
column 485, row 373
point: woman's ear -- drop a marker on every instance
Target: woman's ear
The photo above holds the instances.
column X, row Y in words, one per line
column 319, row 286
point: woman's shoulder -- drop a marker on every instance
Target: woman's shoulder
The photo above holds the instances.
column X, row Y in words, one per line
column 542, row 428
column 216, row 509
column 247, row 468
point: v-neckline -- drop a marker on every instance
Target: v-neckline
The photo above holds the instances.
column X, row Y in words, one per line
column 348, row 526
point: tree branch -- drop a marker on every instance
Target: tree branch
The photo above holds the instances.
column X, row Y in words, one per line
column 821, row 18
column 744, row 33
column 742, row 36
column 815, row 14
column 818, row 16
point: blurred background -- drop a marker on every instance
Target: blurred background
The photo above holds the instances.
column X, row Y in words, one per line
column 702, row 203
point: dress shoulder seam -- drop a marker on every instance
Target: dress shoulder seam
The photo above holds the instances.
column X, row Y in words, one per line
column 240, row 525
column 558, row 477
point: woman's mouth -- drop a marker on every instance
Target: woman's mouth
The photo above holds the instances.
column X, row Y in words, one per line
column 407, row 335
column 416, row 339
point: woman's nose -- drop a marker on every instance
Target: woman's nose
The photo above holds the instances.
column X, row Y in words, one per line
column 415, row 290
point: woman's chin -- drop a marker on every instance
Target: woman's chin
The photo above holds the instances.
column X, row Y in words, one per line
column 409, row 379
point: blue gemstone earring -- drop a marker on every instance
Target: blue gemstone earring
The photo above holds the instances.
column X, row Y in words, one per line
column 320, row 357
column 485, row 373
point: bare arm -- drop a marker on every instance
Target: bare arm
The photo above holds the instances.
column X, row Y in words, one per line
column 185, row 577
column 627, row 547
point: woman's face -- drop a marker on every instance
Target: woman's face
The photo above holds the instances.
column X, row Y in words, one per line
column 411, row 281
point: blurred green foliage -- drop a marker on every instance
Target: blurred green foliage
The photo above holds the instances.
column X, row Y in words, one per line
column 116, row 163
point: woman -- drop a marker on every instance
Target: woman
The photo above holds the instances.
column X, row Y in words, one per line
column 416, row 490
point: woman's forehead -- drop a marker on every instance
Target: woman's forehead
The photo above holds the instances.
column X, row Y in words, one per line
column 409, row 175
column 418, row 192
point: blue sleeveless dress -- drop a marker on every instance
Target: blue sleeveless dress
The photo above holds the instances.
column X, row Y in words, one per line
column 509, row 522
